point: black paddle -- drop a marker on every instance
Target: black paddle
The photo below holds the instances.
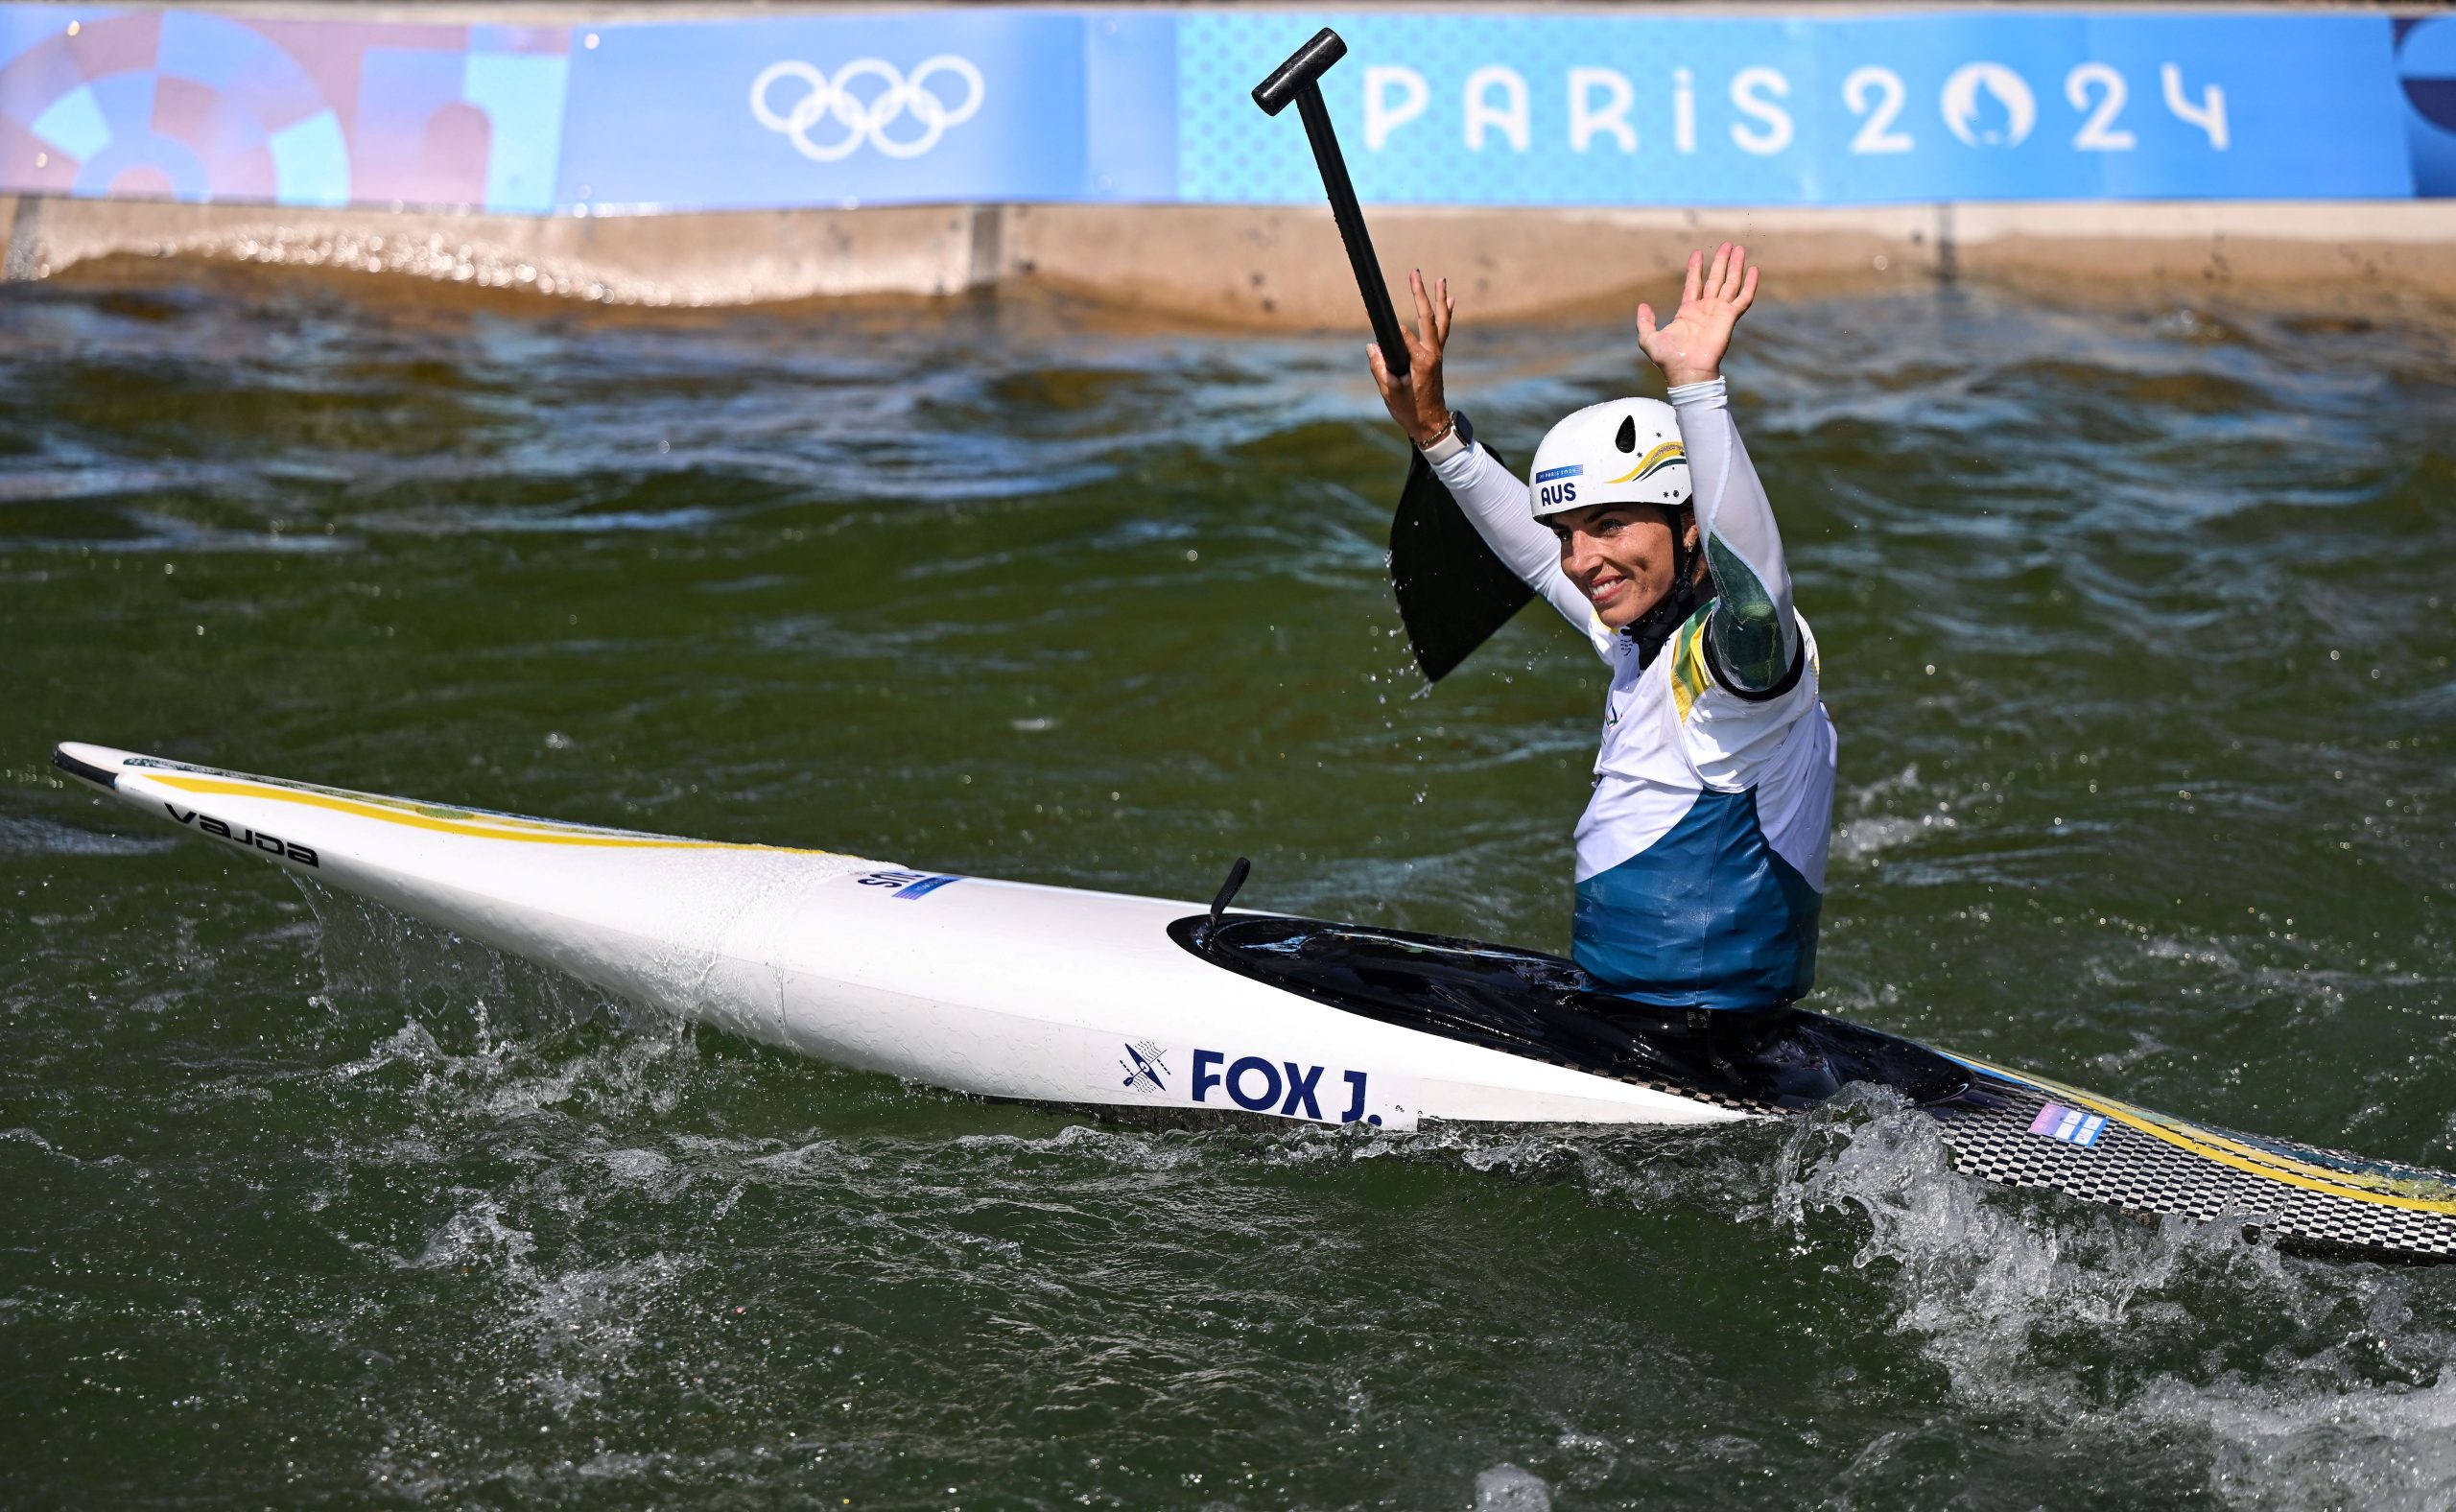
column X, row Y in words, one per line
column 1452, row 591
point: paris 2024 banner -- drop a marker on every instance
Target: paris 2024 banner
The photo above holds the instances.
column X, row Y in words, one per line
column 1152, row 107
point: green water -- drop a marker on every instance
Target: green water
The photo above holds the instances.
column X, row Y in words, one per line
column 2135, row 630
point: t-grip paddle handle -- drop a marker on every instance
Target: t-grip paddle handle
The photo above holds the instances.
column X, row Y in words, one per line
column 1303, row 70
column 1300, row 78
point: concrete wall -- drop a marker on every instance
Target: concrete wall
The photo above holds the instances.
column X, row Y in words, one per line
column 1283, row 268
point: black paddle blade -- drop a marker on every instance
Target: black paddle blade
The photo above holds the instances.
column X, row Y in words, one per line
column 1454, row 593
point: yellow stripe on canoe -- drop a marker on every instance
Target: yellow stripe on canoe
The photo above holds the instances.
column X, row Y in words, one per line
column 2210, row 1144
column 397, row 810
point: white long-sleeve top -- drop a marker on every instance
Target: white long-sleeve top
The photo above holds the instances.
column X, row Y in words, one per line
column 1693, row 719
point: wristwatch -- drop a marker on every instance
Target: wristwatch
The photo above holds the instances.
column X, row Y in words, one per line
column 1452, row 440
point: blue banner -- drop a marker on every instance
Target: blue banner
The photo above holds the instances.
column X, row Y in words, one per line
column 1579, row 110
column 974, row 104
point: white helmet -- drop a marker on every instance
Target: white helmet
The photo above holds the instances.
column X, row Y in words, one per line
column 1624, row 451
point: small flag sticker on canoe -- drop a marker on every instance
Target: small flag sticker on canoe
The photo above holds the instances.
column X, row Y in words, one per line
column 2071, row 1125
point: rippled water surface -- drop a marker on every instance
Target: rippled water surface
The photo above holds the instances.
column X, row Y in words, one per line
column 2137, row 631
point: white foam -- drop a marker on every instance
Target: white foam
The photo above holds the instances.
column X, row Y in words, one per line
column 585, row 1323
column 476, row 1234
column 2321, row 1443
column 1506, row 1488
column 2077, row 1320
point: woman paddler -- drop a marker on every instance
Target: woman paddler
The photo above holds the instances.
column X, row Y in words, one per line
column 1701, row 855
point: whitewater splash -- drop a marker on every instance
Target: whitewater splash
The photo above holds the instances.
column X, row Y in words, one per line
column 2091, row 1326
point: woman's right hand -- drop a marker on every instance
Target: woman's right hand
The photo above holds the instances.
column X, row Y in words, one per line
column 1416, row 401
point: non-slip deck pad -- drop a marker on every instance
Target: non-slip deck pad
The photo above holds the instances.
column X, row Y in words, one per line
column 2022, row 1132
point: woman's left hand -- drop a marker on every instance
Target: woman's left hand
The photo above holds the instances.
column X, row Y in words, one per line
column 1712, row 300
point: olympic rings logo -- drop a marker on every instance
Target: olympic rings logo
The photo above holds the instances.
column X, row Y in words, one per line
column 835, row 100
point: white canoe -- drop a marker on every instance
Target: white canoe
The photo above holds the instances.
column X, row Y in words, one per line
column 1146, row 1007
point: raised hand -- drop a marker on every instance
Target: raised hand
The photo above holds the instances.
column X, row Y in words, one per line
column 1712, row 300
column 1416, row 401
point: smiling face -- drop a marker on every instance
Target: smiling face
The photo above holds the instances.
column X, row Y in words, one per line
column 1619, row 556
